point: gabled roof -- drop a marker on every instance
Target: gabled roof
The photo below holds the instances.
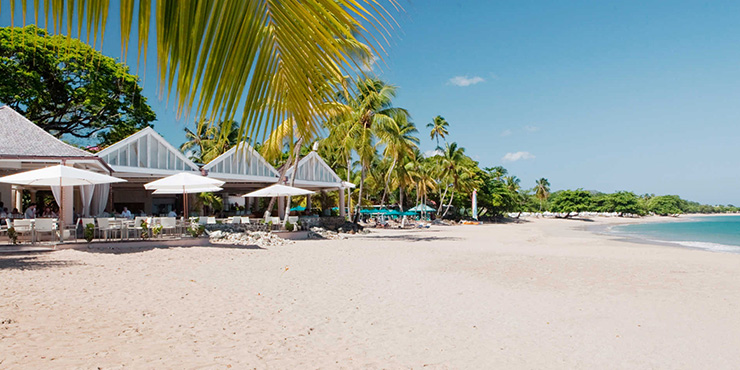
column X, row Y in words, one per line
column 242, row 162
column 21, row 138
column 146, row 152
column 313, row 171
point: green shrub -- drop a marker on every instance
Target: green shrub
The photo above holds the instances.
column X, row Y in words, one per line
column 13, row 235
column 289, row 226
column 89, row 232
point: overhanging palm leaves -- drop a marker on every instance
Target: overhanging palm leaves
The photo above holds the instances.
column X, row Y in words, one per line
column 219, row 55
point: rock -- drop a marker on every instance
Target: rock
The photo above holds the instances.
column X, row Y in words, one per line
column 259, row 238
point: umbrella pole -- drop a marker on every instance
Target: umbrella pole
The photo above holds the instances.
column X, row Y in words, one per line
column 61, row 213
column 185, row 204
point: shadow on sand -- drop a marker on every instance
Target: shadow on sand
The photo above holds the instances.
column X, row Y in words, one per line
column 32, row 262
column 126, row 249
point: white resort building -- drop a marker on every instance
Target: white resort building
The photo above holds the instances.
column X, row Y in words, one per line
column 141, row 158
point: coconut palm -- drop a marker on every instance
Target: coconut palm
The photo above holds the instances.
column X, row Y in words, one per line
column 371, row 108
column 221, row 57
column 209, row 140
column 397, row 136
column 542, row 191
column 451, row 164
column 439, row 129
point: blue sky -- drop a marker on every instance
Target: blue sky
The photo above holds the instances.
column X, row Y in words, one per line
column 621, row 95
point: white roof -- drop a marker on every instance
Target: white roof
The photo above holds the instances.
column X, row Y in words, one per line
column 242, row 162
column 314, row 172
column 146, row 153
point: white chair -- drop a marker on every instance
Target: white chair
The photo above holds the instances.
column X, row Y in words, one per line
column 211, row 221
column 107, row 226
column 236, row 220
column 168, row 223
column 23, row 227
column 293, row 219
column 245, row 220
column 45, row 225
column 138, row 224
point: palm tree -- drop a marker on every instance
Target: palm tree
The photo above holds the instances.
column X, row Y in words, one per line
column 209, row 140
column 451, row 165
column 370, row 109
column 398, row 137
column 542, row 191
column 219, row 57
column 439, row 129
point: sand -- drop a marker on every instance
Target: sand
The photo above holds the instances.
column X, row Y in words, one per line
column 541, row 294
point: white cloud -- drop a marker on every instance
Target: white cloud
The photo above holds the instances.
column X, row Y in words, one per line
column 506, row 133
column 531, row 128
column 463, row 81
column 369, row 65
column 513, row 157
column 432, row 153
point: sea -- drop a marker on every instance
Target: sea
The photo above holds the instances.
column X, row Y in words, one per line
column 712, row 233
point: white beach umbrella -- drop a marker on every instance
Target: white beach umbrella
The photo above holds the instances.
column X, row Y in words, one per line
column 278, row 190
column 61, row 176
column 206, row 189
column 184, row 183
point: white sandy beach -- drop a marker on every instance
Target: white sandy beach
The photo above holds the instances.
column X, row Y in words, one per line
column 543, row 294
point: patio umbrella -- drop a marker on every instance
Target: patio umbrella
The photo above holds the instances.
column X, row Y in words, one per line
column 422, row 208
column 184, row 183
column 278, row 190
column 208, row 189
column 61, row 176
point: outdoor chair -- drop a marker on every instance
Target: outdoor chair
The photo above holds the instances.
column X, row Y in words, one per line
column 211, row 221
column 45, row 225
column 275, row 222
column 168, row 223
column 236, row 220
column 23, row 227
column 245, row 220
column 106, row 227
column 138, row 224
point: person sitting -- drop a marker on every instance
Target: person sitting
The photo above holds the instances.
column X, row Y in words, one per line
column 3, row 212
column 47, row 213
column 30, row 211
column 126, row 213
column 172, row 213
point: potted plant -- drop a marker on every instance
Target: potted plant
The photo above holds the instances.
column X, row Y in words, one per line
column 13, row 235
column 89, row 232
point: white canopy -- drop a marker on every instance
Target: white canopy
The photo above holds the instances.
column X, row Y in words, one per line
column 59, row 175
column 205, row 189
column 183, row 182
column 422, row 208
column 347, row 184
column 278, row 190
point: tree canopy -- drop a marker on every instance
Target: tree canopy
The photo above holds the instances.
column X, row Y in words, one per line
column 68, row 88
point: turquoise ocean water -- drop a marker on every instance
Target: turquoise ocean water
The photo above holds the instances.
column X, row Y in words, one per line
column 714, row 233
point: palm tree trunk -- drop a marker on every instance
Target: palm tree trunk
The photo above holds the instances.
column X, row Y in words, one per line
column 387, row 180
column 400, row 198
column 349, row 190
column 452, row 196
column 297, row 150
column 442, row 201
column 359, row 197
